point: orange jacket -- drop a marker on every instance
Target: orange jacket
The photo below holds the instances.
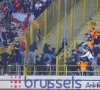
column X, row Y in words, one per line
column 24, row 39
column 82, row 65
column 90, row 44
column 94, row 33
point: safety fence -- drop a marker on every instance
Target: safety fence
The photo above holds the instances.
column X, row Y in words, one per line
column 50, row 70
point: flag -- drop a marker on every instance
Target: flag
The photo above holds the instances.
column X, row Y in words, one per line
column 19, row 17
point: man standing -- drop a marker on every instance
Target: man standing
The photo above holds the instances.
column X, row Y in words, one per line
column 32, row 49
column 5, row 57
column 17, row 56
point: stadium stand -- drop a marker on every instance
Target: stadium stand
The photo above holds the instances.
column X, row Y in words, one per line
column 16, row 26
column 52, row 61
column 22, row 12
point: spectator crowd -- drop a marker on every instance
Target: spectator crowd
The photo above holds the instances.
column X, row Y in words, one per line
column 85, row 59
column 9, row 31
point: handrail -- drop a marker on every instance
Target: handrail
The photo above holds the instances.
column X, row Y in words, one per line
column 77, row 35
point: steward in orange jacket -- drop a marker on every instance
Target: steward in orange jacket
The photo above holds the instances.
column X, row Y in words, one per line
column 90, row 44
column 94, row 32
column 83, row 65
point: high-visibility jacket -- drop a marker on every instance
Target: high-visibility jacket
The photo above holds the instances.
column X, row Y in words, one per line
column 82, row 65
column 90, row 44
column 94, row 33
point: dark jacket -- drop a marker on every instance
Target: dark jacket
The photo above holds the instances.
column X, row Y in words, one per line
column 4, row 56
column 98, row 38
column 33, row 47
column 95, row 41
column 71, row 66
column 96, row 51
column 76, row 57
column 63, row 44
column 45, row 49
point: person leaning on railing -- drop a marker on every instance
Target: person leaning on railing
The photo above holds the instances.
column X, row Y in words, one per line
column 83, row 66
column 71, row 66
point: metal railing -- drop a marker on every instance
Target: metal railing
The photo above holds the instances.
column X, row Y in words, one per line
column 50, row 70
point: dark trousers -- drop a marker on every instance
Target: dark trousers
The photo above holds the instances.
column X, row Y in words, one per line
column 5, row 67
column 17, row 58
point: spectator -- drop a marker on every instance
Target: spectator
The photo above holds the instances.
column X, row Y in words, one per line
column 18, row 6
column 12, row 10
column 98, row 38
column 40, row 65
column 75, row 55
column 22, row 48
column 17, row 56
column 49, row 2
column 38, row 7
column 32, row 49
column 12, row 58
column 24, row 8
column 64, row 43
column 95, row 67
column 98, row 60
column 12, row 36
column 88, row 54
column 83, row 66
column 71, row 67
column 47, row 52
column 95, row 50
column 5, row 57
column 43, row 7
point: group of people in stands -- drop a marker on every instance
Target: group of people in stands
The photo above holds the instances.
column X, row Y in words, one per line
column 17, row 57
column 9, row 31
column 86, row 58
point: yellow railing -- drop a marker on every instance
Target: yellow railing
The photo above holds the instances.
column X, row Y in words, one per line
column 68, row 49
column 49, row 70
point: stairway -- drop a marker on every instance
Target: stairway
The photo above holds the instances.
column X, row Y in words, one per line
column 51, row 38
